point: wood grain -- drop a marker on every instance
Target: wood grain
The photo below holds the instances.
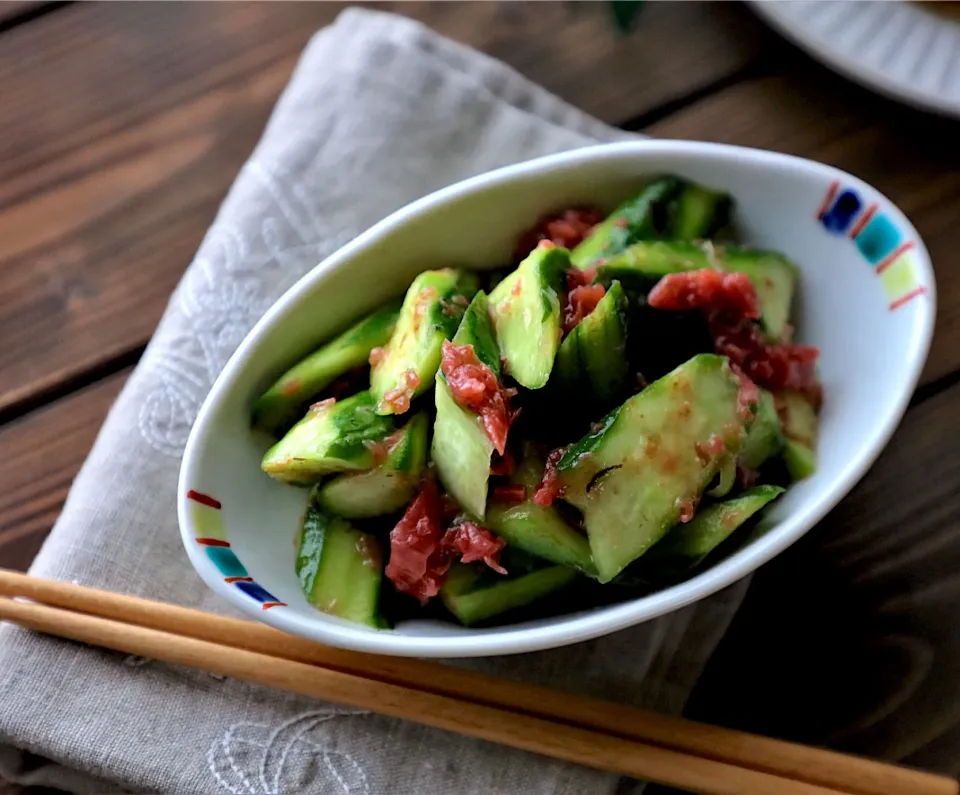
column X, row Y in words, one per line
column 106, row 194
column 42, row 453
column 11, row 10
column 911, row 158
column 139, row 119
column 849, row 638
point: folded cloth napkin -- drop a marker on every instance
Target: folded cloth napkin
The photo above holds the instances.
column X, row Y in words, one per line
column 379, row 112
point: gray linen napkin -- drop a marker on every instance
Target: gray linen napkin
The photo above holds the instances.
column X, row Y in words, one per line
column 380, row 111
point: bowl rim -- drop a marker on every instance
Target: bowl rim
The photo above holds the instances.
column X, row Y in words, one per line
column 608, row 619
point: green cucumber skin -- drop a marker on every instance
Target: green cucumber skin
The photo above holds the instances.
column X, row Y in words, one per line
column 461, row 451
column 542, row 532
column 700, row 213
column 801, row 460
column 631, row 491
column 476, row 329
column 765, row 438
column 340, row 569
column 800, row 426
column 329, row 440
column 410, row 455
column 473, row 606
column 635, row 219
column 278, row 408
column 386, row 488
column 595, row 353
column 714, row 524
column 799, row 418
column 461, row 448
column 527, row 315
column 774, row 277
column 430, row 314
column 643, row 264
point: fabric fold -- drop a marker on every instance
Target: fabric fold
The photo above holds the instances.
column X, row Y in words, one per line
column 380, row 111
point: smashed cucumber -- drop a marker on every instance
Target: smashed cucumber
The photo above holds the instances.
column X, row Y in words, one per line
column 476, row 329
column 536, row 529
column 799, row 418
column 774, row 277
column 712, row 525
column 765, row 437
column 592, row 363
column 388, row 486
column 643, row 264
column 526, row 314
column 279, row 407
column 340, row 568
column 473, row 597
column 431, row 312
column 652, row 459
column 461, row 449
column 334, row 436
column 642, row 217
column 699, row 213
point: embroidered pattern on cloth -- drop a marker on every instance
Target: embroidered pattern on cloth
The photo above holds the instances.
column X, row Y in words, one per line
column 295, row 756
column 238, row 274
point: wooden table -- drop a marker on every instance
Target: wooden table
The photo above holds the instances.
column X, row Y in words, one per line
column 124, row 125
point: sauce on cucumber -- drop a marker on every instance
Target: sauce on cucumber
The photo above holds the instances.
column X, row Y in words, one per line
column 620, row 402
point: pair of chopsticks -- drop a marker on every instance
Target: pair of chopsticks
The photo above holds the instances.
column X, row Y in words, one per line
column 597, row 734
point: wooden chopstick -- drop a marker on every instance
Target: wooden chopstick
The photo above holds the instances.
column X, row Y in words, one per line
column 825, row 768
column 557, row 740
column 759, row 754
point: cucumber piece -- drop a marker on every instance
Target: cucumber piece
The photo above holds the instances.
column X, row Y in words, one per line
column 799, row 417
column 473, row 598
column 536, row 529
column 653, row 456
column 765, row 438
column 277, row 408
column 542, row 532
column 712, row 525
column 592, row 361
column 476, row 329
column 333, row 437
column 800, row 427
column 431, row 312
column 340, row 569
column 727, row 479
column 640, row 218
column 527, row 314
column 699, row 213
column 461, row 451
column 461, row 448
column 801, row 460
column 642, row 265
column 773, row 276
column 775, row 279
column 386, row 488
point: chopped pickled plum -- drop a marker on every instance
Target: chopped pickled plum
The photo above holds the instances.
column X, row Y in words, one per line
column 474, row 386
column 472, row 543
column 418, row 563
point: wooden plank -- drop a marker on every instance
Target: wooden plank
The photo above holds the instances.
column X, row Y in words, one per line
column 849, row 639
column 11, row 9
column 573, row 49
column 910, row 157
column 132, row 142
column 42, row 453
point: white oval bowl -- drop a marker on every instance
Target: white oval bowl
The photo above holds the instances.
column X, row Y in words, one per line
column 873, row 329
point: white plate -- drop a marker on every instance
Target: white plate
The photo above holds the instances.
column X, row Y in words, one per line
column 894, row 47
